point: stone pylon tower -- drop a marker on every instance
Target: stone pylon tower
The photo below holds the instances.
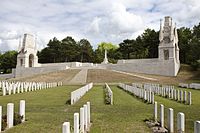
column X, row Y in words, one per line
column 27, row 55
column 168, row 47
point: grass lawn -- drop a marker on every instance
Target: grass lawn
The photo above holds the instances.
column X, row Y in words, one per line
column 46, row 110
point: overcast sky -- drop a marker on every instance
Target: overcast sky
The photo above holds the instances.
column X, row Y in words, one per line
column 95, row 20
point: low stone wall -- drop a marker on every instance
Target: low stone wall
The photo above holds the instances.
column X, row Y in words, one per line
column 25, row 72
column 6, row 76
column 147, row 66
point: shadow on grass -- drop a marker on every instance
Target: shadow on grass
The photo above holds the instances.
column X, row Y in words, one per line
column 68, row 102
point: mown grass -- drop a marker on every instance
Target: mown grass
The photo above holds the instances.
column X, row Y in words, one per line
column 46, row 110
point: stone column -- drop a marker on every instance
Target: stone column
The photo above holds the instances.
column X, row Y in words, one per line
column 76, row 122
column 189, row 98
column 155, row 111
column 22, row 109
column 180, row 122
column 197, row 127
column 0, row 117
column 66, row 127
column 162, row 115
column 85, row 116
column 10, row 115
column 170, row 120
column 82, row 120
column 88, row 113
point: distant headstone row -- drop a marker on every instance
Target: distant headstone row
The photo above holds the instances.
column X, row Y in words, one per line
column 81, row 122
column 109, row 93
column 146, row 95
column 10, row 114
column 167, row 92
column 9, row 88
column 77, row 94
column 192, row 85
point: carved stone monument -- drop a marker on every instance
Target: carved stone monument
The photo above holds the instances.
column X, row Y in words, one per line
column 27, row 55
column 105, row 61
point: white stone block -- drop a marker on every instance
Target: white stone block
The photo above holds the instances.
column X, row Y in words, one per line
column 76, row 122
column 22, row 109
column 10, row 115
column 180, row 122
column 85, row 117
column 155, row 111
column 170, row 120
column 88, row 112
column 66, row 127
column 82, row 120
column 162, row 115
column 197, row 127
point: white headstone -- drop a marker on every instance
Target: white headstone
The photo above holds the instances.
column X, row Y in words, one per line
column 10, row 115
column 162, row 115
column 88, row 113
column 82, row 120
column 197, row 127
column 180, row 122
column 85, row 116
column 170, row 120
column 66, row 127
column 155, row 111
column 76, row 122
column 22, row 109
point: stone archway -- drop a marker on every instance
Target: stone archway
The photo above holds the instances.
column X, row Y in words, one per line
column 31, row 60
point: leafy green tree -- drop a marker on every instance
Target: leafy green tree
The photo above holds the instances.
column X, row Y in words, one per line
column 150, row 39
column 8, row 60
column 185, row 36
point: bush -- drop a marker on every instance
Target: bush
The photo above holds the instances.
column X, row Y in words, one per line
column 107, row 97
column 17, row 120
column 4, row 122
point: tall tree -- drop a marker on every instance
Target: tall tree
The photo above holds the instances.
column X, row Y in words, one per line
column 185, row 36
column 86, row 52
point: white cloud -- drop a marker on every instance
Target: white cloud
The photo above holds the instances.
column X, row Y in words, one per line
column 95, row 20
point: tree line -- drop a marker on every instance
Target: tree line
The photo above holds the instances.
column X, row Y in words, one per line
column 144, row 46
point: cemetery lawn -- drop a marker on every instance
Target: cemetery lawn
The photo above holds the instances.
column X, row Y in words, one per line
column 46, row 110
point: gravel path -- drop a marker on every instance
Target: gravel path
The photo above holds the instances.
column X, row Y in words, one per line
column 79, row 78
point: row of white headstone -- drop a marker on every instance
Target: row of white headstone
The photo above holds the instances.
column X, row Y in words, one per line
column 10, row 113
column 146, row 95
column 81, row 122
column 168, row 91
column 77, row 94
column 110, row 93
column 170, row 119
column 20, row 87
column 192, row 85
